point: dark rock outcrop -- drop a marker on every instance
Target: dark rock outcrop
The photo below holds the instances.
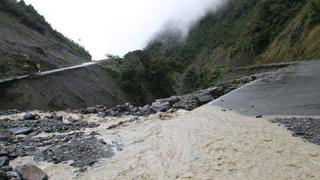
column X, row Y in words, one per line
column 20, row 130
column 161, row 106
column 31, row 172
column 30, row 116
column 4, row 161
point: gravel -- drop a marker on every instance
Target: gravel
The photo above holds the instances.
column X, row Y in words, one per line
column 306, row 128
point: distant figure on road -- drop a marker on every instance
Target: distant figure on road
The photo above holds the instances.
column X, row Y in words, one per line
column 38, row 67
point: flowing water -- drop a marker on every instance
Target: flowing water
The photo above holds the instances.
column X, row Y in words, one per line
column 206, row 143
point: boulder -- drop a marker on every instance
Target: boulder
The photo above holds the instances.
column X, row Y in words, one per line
column 4, row 161
column 133, row 119
column 3, row 152
column 215, row 91
column 5, row 135
column 30, row 116
column 22, row 130
column 145, row 110
column 74, row 118
column 161, row 106
column 123, row 108
column 112, row 113
column 14, row 175
column 57, row 118
column 101, row 114
column 204, row 97
column 128, row 107
column 31, row 172
column 173, row 99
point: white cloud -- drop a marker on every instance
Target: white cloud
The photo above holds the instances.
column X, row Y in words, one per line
column 117, row 26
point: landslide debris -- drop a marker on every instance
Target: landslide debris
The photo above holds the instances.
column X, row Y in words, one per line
column 63, row 141
column 306, row 128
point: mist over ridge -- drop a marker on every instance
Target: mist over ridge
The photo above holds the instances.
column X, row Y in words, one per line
column 177, row 28
column 117, row 27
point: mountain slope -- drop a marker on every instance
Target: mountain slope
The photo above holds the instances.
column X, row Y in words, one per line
column 299, row 40
column 241, row 33
column 27, row 39
column 74, row 89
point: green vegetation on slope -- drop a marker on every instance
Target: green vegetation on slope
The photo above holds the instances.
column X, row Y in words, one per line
column 299, row 40
column 243, row 32
column 142, row 78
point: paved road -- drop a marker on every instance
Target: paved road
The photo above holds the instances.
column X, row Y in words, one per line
column 45, row 73
column 295, row 92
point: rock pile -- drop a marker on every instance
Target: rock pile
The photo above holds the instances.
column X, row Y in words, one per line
column 18, row 138
column 172, row 104
column 33, row 125
column 118, row 111
column 82, row 151
column 18, row 173
column 307, row 128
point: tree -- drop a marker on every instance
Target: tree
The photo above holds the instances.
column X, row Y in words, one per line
column 314, row 12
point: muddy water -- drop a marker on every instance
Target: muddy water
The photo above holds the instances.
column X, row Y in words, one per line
column 203, row 144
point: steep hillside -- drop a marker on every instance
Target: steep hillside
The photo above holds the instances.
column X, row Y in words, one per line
column 26, row 39
column 299, row 40
column 66, row 90
column 241, row 33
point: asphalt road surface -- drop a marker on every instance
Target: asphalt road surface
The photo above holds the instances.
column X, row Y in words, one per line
column 295, row 91
column 45, row 73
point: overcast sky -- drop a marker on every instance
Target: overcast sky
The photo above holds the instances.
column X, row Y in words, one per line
column 117, row 26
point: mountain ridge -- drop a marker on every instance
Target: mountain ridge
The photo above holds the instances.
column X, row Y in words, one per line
column 241, row 33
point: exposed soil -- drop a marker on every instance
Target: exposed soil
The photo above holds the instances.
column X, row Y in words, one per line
column 67, row 90
column 21, row 48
